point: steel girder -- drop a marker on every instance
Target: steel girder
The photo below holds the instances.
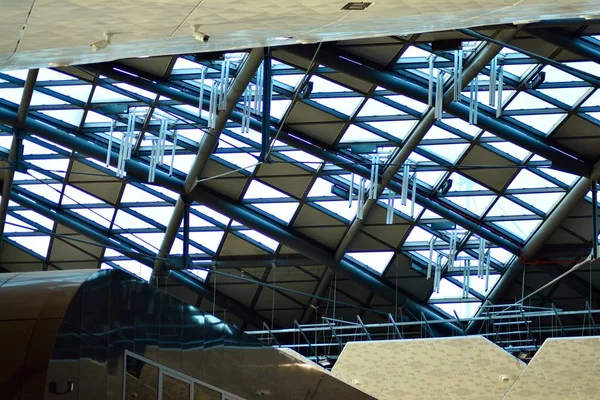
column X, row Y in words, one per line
column 319, row 150
column 206, row 148
column 234, row 211
column 567, row 41
column 9, row 174
column 145, row 258
column 341, row 62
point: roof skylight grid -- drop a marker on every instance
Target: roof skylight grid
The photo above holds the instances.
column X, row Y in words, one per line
column 469, row 171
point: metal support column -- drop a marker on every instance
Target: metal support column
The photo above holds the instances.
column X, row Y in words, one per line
column 207, row 146
column 16, row 148
column 266, row 106
column 594, row 220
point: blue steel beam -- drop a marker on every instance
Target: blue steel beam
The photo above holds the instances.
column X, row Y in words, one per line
column 321, row 151
column 567, row 41
column 146, row 258
column 390, row 81
column 234, row 211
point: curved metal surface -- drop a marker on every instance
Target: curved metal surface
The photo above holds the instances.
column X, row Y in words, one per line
column 68, row 332
column 33, row 306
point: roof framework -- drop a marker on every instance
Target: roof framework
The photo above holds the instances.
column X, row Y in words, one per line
column 280, row 235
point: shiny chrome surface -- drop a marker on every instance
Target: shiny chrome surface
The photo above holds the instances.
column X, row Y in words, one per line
column 68, row 332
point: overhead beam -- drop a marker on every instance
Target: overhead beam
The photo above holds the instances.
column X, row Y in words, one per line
column 9, row 173
column 223, row 301
column 321, row 151
column 339, row 61
column 233, row 210
column 478, row 63
column 567, row 41
column 207, row 146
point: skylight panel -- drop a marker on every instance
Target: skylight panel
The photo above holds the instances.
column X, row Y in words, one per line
column 163, row 191
column 12, row 94
column 132, row 194
column 184, row 63
column 435, row 132
column 161, row 215
column 151, row 241
column 210, row 213
column 103, row 95
column 101, row 216
column 242, row 160
column 478, row 284
column 37, row 218
column 414, row 52
column 125, row 221
column 593, row 100
column 398, row 129
column 589, row 67
column 542, row 201
column 511, row 150
column 200, row 273
column 505, row 207
column 418, row 235
column 449, row 152
column 73, row 195
column 374, row 260
column 77, row 92
column 321, row 188
column 282, row 211
column 279, row 107
column 260, row 238
column 136, row 268
column 554, row 74
column 182, row 162
column 344, row 105
column 258, row 190
column 544, row 123
column 526, row 179
column 31, row 148
column 48, row 192
column 303, row 157
column 41, row 99
column 569, row 96
column 55, row 165
column 340, row 208
column 406, row 210
column 140, row 92
column 321, row 85
column 93, row 117
column 210, row 240
column 408, row 102
column 14, row 225
column 463, row 310
column 37, row 244
column 462, row 183
column 474, row 204
column 46, row 74
column 519, row 70
column 564, row 177
column 373, row 107
column 525, row 101
column 356, row 134
column 430, row 178
column 289, row 80
column 463, row 126
column 522, row 229
column 72, row 117
column 448, row 290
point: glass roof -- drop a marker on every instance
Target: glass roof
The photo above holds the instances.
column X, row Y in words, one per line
column 468, row 171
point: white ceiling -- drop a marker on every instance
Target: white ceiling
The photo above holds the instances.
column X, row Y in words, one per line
column 39, row 33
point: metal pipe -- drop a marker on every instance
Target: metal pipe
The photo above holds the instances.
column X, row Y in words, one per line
column 594, row 220
column 567, row 41
column 9, row 174
column 486, row 121
column 353, row 326
column 267, row 82
column 206, row 147
column 220, row 203
column 485, row 56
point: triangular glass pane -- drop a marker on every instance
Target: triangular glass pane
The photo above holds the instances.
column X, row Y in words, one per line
column 283, row 211
column 522, row 229
column 375, row 260
column 38, row 244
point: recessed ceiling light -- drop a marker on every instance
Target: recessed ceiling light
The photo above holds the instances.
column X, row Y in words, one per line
column 357, row 5
column 283, row 38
